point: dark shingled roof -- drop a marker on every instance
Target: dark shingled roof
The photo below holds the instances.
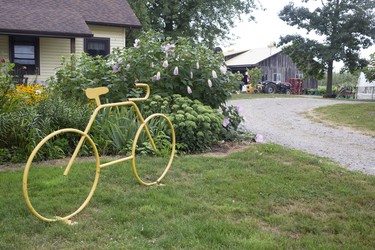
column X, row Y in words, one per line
column 65, row 18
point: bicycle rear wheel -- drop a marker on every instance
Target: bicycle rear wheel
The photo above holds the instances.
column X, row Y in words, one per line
column 154, row 136
column 57, row 196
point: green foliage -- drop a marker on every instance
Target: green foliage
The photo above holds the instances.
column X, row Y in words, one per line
column 80, row 73
column 197, row 126
column 370, row 69
column 203, row 21
column 176, row 67
column 21, row 129
column 255, row 75
column 170, row 67
column 346, row 26
column 6, row 85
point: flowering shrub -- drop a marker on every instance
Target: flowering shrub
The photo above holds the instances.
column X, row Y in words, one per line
column 6, row 84
column 30, row 94
column 170, row 67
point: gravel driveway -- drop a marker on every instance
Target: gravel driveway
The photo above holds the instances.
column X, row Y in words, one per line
column 283, row 121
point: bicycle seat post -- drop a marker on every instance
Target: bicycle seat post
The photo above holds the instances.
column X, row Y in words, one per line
column 94, row 93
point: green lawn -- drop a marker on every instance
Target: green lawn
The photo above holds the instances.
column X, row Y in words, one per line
column 360, row 116
column 266, row 197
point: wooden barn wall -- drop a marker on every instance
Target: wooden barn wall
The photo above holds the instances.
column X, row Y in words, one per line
column 283, row 65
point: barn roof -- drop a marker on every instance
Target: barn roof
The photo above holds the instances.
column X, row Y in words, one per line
column 252, row 56
column 63, row 17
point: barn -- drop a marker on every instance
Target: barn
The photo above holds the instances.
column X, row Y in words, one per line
column 275, row 65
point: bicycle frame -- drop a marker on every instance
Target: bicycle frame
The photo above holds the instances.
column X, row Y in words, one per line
column 99, row 107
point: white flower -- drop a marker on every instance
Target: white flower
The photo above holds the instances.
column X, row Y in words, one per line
column 127, row 67
column 189, row 90
column 175, row 71
column 223, row 69
column 158, row 76
column 214, row 75
column 191, row 75
column 152, row 65
column 119, row 61
column 38, row 92
column 209, row 83
column 136, row 43
column 197, row 65
column 169, row 48
column 165, row 64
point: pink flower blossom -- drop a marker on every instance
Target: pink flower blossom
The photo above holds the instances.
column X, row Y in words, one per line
column 115, row 68
column 189, row 90
column 165, row 64
column 175, row 71
column 209, row 83
column 259, row 138
column 226, row 122
column 214, row 75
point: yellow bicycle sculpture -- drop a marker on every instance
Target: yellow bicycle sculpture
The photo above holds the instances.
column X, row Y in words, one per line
column 144, row 127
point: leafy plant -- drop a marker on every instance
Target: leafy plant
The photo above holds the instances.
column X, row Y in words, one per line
column 197, row 126
column 170, row 67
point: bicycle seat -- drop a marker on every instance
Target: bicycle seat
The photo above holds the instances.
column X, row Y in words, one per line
column 94, row 93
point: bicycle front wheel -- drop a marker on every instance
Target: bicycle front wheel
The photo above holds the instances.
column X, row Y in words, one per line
column 51, row 195
column 155, row 137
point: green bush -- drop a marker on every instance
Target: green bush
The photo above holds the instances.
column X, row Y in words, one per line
column 21, row 129
column 197, row 126
column 6, row 85
column 170, row 67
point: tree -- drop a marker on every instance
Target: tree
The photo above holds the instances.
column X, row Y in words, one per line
column 203, row 21
column 346, row 26
column 370, row 69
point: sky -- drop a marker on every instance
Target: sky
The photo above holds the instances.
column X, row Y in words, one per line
column 268, row 28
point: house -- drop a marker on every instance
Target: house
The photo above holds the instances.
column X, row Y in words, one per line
column 275, row 65
column 35, row 34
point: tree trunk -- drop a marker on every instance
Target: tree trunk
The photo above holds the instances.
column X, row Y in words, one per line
column 329, row 79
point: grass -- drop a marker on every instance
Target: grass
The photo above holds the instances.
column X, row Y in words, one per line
column 266, row 197
column 360, row 116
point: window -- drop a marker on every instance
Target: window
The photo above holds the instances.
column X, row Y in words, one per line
column 25, row 54
column 264, row 77
column 300, row 75
column 276, row 77
column 97, row 46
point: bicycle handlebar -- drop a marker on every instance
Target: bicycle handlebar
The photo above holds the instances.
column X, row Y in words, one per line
column 94, row 93
column 144, row 85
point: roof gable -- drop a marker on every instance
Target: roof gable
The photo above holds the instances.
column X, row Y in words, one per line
column 253, row 56
column 64, row 17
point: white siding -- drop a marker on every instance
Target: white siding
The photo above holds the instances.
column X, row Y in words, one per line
column 79, row 46
column 4, row 46
column 116, row 35
column 51, row 52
